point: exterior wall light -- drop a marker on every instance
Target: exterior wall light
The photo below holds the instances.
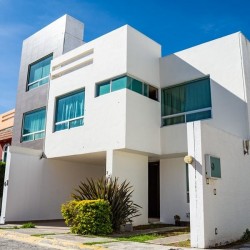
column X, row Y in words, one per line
column 188, row 159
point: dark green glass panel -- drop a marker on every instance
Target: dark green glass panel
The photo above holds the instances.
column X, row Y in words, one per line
column 145, row 89
column 198, row 116
column 61, row 126
column 120, row 83
column 173, row 120
column 136, row 86
column 76, row 123
column 103, row 88
column 186, row 97
column 215, row 167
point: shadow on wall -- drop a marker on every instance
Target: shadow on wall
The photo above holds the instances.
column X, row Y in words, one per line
column 229, row 112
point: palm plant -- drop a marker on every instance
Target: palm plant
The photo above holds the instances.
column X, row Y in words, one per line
column 118, row 195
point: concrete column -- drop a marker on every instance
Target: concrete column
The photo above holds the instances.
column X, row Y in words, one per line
column 196, row 185
column 134, row 169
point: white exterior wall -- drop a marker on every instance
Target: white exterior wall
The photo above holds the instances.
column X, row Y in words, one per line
column 174, row 139
column 228, row 209
column 142, row 123
column 38, row 187
column 173, row 192
column 134, row 169
column 221, row 59
column 109, row 121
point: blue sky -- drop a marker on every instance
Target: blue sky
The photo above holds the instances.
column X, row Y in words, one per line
column 175, row 24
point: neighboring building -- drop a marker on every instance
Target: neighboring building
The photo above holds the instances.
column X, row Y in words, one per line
column 6, row 129
column 114, row 106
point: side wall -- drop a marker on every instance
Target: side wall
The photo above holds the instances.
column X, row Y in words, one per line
column 37, row 187
column 228, row 210
column 219, row 208
column 173, row 190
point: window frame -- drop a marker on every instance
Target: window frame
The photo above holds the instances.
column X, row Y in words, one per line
column 36, row 132
column 5, row 152
column 128, row 86
column 71, row 119
column 186, row 113
column 28, row 84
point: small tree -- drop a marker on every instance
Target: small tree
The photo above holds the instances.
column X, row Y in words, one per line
column 119, row 196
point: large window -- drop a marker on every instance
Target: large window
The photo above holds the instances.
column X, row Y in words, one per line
column 129, row 83
column 70, row 111
column 39, row 73
column 186, row 102
column 34, row 125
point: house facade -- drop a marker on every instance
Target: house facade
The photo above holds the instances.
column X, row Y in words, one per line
column 116, row 107
column 6, row 130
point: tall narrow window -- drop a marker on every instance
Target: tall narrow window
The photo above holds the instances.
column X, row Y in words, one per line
column 39, row 73
column 34, row 125
column 187, row 102
column 187, row 183
column 4, row 153
column 70, row 111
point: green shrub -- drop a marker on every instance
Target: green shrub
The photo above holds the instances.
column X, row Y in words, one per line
column 28, row 225
column 246, row 235
column 88, row 216
column 118, row 195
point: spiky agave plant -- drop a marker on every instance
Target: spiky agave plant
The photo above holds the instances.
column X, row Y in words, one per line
column 118, row 195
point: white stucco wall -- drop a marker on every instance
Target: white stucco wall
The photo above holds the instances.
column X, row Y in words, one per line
column 173, row 192
column 142, row 123
column 227, row 210
column 111, row 121
column 37, row 187
column 134, row 169
column 174, row 139
column 221, row 59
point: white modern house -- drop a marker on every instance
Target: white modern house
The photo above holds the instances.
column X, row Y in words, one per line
column 115, row 106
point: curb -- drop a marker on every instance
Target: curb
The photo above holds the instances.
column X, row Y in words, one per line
column 45, row 242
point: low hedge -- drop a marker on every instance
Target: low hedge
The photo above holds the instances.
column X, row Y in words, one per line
column 88, row 216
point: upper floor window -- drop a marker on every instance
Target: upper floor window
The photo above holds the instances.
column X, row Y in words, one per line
column 70, row 111
column 34, row 125
column 129, row 83
column 39, row 73
column 187, row 102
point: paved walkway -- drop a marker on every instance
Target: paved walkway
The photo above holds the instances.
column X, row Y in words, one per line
column 58, row 237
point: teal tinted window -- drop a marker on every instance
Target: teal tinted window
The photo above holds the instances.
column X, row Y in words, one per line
column 70, row 111
column 103, row 88
column 34, row 125
column 39, row 73
column 136, row 86
column 120, row 83
column 189, row 97
column 173, row 120
column 145, row 89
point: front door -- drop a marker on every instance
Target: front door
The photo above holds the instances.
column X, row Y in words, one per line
column 154, row 189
